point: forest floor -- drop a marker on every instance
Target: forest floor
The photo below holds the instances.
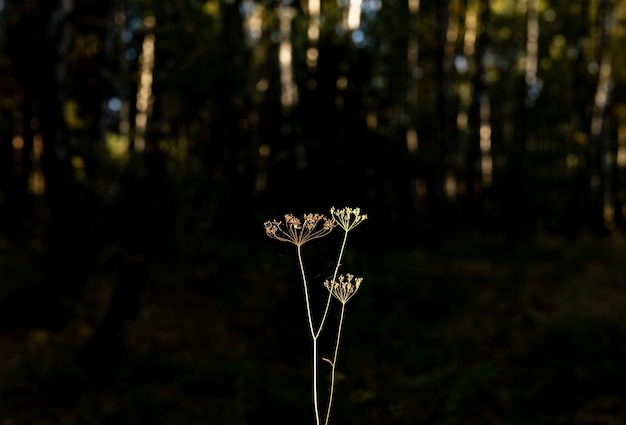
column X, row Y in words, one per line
column 468, row 332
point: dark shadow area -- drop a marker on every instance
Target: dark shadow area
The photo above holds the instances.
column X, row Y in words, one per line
column 144, row 144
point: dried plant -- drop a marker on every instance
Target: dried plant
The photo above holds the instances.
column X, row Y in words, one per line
column 342, row 287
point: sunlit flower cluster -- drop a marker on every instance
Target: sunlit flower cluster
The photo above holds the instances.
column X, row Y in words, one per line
column 348, row 218
column 299, row 231
column 344, row 287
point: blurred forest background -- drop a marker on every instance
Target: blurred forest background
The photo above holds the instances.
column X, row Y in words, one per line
column 143, row 143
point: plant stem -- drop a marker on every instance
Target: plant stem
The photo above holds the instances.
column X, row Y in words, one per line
column 313, row 334
column 306, row 292
column 334, row 364
column 317, row 413
column 330, row 295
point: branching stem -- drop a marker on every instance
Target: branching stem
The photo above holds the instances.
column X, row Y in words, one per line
column 330, row 295
column 314, row 336
column 333, row 364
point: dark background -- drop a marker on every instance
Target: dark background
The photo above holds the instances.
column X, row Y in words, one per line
column 485, row 140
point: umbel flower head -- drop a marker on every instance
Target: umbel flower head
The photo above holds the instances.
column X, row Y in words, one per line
column 344, row 287
column 348, row 218
column 297, row 231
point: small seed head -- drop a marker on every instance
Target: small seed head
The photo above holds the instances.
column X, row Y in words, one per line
column 299, row 231
column 347, row 218
column 344, row 287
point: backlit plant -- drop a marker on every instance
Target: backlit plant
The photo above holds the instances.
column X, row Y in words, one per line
column 342, row 287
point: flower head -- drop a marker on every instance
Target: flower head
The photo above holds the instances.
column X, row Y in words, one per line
column 299, row 231
column 348, row 218
column 344, row 287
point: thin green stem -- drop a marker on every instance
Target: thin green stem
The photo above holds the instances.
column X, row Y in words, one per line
column 313, row 335
column 330, row 295
column 334, row 364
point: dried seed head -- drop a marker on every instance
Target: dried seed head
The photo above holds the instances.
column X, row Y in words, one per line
column 271, row 227
column 344, row 287
column 297, row 231
column 348, row 218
